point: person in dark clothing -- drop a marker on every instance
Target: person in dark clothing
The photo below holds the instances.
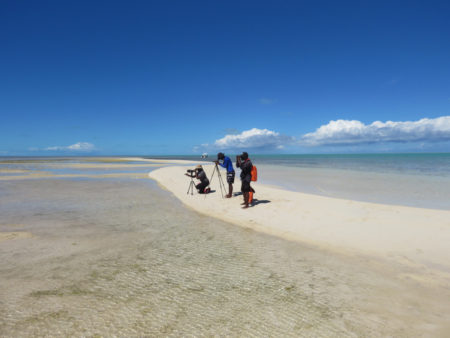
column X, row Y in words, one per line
column 227, row 164
column 246, row 166
column 204, row 182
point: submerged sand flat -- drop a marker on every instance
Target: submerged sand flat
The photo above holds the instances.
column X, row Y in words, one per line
column 50, row 175
column 91, row 167
column 412, row 236
column 102, row 165
column 5, row 236
column 116, row 256
column 123, row 258
column 84, row 168
column 13, row 171
column 157, row 160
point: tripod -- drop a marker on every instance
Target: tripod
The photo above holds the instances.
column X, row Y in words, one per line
column 191, row 186
column 221, row 184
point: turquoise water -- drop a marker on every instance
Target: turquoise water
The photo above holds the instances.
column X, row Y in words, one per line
column 433, row 164
column 418, row 180
column 436, row 164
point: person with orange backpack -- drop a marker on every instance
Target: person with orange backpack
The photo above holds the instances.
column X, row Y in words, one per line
column 246, row 166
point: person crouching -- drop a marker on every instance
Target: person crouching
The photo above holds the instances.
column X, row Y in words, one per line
column 200, row 174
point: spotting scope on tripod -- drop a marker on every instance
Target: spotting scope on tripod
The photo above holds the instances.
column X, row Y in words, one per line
column 191, row 174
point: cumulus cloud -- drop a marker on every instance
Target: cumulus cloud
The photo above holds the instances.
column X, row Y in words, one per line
column 80, row 146
column 350, row 132
column 254, row 138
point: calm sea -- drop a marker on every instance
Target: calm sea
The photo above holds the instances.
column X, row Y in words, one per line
column 434, row 164
column 418, row 180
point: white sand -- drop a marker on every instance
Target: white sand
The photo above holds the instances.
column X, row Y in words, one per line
column 419, row 238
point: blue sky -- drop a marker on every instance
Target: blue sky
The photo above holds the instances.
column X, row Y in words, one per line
column 183, row 77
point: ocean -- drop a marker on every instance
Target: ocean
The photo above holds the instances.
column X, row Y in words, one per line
column 432, row 164
column 413, row 179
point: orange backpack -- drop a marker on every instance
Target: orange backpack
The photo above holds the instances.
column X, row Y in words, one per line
column 254, row 174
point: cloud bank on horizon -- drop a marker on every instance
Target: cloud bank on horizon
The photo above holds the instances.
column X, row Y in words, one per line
column 343, row 133
column 79, row 146
column 254, row 138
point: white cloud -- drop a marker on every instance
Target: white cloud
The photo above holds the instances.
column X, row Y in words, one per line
column 254, row 138
column 346, row 132
column 80, row 146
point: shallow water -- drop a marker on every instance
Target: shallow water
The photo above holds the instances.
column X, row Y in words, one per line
column 122, row 257
column 423, row 191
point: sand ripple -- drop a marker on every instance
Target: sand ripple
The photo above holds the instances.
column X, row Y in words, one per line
column 122, row 258
column 5, row 236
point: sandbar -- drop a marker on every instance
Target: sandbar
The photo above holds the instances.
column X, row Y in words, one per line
column 415, row 237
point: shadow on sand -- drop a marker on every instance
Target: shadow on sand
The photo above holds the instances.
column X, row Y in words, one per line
column 256, row 202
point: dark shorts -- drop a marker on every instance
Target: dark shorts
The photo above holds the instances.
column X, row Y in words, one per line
column 245, row 187
column 201, row 187
column 230, row 177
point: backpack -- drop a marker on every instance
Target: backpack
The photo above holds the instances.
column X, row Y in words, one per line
column 254, row 174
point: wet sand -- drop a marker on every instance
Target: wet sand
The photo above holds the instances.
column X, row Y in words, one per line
column 119, row 256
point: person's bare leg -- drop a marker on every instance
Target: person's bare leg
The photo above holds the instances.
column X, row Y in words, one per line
column 243, row 195
column 246, row 196
column 230, row 190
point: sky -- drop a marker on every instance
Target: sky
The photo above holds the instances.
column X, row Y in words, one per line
column 187, row 77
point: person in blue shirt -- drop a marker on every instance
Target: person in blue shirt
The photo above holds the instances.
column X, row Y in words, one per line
column 227, row 164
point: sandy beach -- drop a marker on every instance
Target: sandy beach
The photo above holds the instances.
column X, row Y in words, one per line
column 96, row 247
column 411, row 236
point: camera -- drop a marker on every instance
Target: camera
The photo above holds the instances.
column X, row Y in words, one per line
column 192, row 172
